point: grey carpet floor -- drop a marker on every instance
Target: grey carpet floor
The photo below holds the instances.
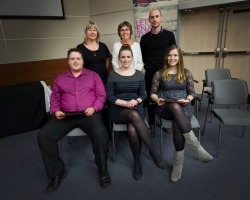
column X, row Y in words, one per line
column 23, row 177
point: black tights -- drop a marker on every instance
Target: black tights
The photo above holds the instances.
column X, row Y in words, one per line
column 137, row 132
column 181, row 123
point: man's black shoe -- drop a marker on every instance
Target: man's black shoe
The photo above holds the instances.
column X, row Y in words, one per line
column 55, row 182
column 105, row 181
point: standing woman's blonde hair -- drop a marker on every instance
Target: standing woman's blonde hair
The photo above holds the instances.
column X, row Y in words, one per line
column 181, row 71
column 91, row 25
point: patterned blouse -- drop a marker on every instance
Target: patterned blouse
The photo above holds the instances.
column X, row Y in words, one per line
column 170, row 89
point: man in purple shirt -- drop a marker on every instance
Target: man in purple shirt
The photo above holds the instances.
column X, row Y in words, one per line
column 77, row 97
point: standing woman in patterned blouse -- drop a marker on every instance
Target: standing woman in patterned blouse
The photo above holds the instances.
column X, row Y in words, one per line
column 174, row 82
column 96, row 54
column 125, row 92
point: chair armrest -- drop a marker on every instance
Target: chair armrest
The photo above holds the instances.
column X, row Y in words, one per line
column 208, row 92
column 150, row 102
column 198, row 99
column 204, row 82
column 210, row 98
column 248, row 102
column 195, row 99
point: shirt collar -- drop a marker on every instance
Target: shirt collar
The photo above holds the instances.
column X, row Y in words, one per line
column 151, row 33
column 84, row 71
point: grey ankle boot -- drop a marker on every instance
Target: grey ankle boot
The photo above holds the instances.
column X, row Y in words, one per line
column 197, row 149
column 177, row 165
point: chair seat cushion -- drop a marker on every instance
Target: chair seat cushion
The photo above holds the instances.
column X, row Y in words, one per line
column 119, row 127
column 166, row 123
column 194, row 122
column 76, row 132
column 123, row 127
column 233, row 116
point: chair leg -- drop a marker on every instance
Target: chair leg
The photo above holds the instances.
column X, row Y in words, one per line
column 205, row 121
column 60, row 149
column 199, row 134
column 243, row 131
column 113, row 144
column 197, row 108
column 211, row 115
column 161, row 142
column 219, row 140
column 202, row 92
column 156, row 125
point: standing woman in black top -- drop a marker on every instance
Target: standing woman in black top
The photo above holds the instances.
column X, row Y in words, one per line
column 96, row 54
column 96, row 58
column 125, row 92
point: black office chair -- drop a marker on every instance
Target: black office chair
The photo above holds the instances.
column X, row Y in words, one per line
column 212, row 75
column 230, row 92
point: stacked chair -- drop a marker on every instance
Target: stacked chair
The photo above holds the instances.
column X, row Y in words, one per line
column 212, row 75
column 226, row 95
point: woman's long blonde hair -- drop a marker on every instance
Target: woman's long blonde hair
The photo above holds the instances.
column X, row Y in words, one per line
column 90, row 25
column 181, row 71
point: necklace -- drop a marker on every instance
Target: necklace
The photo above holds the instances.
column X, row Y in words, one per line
column 92, row 48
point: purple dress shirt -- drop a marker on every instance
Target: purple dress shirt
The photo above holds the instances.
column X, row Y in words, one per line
column 71, row 94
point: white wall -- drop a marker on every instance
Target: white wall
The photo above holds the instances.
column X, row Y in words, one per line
column 109, row 15
column 33, row 40
column 24, row 40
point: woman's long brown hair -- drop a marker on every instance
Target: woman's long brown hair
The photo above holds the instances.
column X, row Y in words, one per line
column 181, row 71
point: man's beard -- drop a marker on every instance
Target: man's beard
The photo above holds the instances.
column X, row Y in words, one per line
column 156, row 26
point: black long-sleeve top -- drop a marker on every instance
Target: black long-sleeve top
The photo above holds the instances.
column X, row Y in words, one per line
column 154, row 47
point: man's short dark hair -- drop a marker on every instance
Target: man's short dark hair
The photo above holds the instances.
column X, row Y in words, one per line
column 74, row 50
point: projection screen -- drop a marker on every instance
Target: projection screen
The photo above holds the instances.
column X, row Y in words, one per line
column 32, row 9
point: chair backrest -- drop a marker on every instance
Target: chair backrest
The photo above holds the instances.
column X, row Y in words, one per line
column 230, row 91
column 216, row 74
column 47, row 93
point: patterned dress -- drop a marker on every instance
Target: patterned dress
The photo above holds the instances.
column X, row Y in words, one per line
column 170, row 89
